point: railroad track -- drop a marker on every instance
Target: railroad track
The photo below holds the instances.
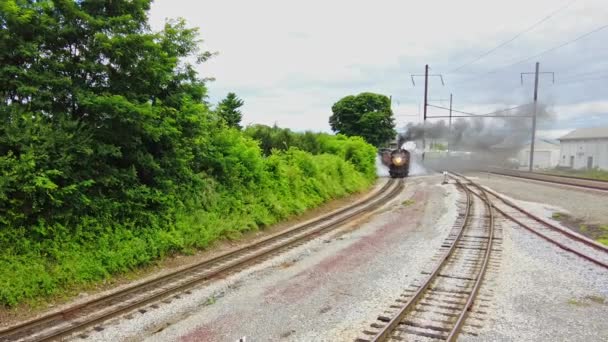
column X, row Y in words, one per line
column 563, row 238
column 92, row 314
column 578, row 182
column 438, row 306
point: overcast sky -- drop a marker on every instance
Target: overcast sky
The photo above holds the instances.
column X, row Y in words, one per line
column 290, row 61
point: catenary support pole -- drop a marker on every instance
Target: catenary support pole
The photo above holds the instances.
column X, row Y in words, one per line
column 450, row 126
column 426, row 92
column 531, row 166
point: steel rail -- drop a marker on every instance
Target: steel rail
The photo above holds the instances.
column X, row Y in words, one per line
column 387, row 330
column 600, row 185
column 486, row 259
column 385, row 194
column 583, row 239
column 567, row 233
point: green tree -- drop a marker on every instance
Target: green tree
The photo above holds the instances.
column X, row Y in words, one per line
column 367, row 115
column 99, row 115
column 228, row 109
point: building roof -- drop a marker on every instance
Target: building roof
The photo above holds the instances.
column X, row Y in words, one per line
column 542, row 144
column 517, row 144
column 587, row 133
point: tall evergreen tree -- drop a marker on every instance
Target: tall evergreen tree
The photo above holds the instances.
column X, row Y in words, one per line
column 228, row 109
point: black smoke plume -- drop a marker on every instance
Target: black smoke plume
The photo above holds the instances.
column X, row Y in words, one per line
column 482, row 134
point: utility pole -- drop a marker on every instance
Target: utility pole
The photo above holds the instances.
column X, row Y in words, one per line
column 536, row 77
column 450, row 125
column 534, row 117
column 426, row 92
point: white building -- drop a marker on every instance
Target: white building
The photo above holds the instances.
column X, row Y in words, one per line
column 546, row 154
column 585, row 148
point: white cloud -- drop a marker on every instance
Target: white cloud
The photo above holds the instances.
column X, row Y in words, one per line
column 582, row 110
column 291, row 61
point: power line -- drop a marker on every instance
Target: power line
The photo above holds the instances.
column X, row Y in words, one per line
column 561, row 45
column 482, row 115
column 569, row 77
column 539, row 54
column 581, row 80
column 530, row 28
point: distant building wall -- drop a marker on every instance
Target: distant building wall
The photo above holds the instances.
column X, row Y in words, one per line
column 546, row 156
column 581, row 153
column 543, row 158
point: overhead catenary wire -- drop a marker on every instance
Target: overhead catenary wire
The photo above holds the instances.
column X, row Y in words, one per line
column 580, row 80
column 482, row 115
column 530, row 28
column 603, row 27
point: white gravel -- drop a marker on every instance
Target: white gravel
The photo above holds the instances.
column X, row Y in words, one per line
column 543, row 293
column 590, row 206
column 328, row 289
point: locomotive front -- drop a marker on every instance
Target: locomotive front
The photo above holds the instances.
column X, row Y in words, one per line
column 399, row 166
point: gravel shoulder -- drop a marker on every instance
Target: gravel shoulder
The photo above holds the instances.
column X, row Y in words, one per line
column 586, row 205
column 326, row 290
column 542, row 293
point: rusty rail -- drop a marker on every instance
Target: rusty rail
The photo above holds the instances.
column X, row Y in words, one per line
column 44, row 324
column 549, row 225
column 387, row 330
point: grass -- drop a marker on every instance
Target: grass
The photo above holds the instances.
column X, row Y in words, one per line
column 587, row 300
column 597, row 232
column 408, row 202
column 591, row 174
column 575, row 302
column 597, row 299
column 604, row 238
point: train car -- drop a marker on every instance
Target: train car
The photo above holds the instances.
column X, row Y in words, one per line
column 397, row 161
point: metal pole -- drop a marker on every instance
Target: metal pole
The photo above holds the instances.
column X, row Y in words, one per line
column 450, row 125
column 426, row 91
column 534, row 117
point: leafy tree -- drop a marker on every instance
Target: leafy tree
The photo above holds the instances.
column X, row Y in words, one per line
column 367, row 115
column 99, row 114
column 228, row 109
column 110, row 157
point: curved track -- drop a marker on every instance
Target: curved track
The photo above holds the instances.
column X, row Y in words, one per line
column 439, row 306
column 578, row 182
column 60, row 324
column 563, row 238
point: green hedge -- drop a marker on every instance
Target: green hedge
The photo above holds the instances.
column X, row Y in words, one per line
column 111, row 157
column 250, row 191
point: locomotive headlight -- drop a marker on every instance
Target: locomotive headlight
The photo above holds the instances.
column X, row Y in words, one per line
column 397, row 160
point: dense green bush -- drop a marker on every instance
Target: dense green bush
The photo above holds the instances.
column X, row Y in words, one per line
column 353, row 149
column 110, row 157
column 247, row 191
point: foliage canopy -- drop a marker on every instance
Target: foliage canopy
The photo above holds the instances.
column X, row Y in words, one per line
column 111, row 158
column 367, row 115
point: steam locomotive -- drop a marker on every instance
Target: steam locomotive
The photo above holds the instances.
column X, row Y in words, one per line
column 397, row 160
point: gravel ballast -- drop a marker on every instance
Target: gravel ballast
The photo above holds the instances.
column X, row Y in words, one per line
column 544, row 294
column 328, row 289
column 588, row 205
column 333, row 287
column 541, row 292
